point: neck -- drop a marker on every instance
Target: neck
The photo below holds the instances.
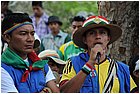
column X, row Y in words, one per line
column 55, row 33
column 22, row 55
column 38, row 16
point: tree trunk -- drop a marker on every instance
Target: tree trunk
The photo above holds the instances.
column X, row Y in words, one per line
column 126, row 15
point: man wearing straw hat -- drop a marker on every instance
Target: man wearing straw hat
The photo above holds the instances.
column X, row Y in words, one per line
column 93, row 71
column 55, row 63
column 21, row 67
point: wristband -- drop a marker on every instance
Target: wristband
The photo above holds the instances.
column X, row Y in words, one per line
column 86, row 68
column 86, row 72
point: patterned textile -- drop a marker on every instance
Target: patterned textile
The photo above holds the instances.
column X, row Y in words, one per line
column 41, row 28
column 11, row 58
column 68, row 50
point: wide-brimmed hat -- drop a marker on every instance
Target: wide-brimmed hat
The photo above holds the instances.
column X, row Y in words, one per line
column 93, row 22
column 51, row 54
column 52, row 19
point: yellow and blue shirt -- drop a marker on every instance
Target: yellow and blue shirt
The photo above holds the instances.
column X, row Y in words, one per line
column 122, row 82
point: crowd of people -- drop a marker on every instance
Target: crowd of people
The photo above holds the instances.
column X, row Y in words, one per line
column 39, row 57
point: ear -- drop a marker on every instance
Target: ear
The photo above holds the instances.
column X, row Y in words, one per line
column 84, row 40
column 6, row 37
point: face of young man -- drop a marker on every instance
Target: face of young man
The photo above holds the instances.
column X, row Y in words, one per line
column 38, row 11
column 53, row 66
column 75, row 26
column 21, row 40
column 54, row 27
column 97, row 36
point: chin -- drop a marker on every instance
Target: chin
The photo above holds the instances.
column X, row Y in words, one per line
column 28, row 51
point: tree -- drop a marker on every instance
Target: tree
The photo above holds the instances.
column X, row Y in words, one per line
column 126, row 15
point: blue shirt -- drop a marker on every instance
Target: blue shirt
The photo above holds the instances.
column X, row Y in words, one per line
column 53, row 42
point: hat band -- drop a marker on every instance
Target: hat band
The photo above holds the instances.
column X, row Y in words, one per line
column 16, row 26
column 95, row 21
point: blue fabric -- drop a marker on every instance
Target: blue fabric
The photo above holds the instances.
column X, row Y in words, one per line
column 91, row 83
column 123, row 74
column 35, row 83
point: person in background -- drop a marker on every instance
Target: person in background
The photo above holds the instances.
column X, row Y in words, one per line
column 56, row 38
column 25, row 68
column 55, row 63
column 135, row 74
column 4, row 8
column 4, row 12
column 40, row 19
column 97, row 72
column 70, row 49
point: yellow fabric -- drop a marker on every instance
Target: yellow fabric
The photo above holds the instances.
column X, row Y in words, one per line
column 103, row 72
column 67, row 75
column 132, row 84
column 62, row 48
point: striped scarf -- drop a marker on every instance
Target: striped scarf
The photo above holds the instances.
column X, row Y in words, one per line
column 110, row 79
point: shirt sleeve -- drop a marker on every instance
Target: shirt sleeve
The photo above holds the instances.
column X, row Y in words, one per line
column 68, row 71
column 60, row 54
column 7, row 83
column 49, row 75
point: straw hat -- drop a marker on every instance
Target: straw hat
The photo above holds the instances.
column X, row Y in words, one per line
column 51, row 54
column 93, row 22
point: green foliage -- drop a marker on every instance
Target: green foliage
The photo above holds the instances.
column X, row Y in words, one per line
column 64, row 9
column 67, row 9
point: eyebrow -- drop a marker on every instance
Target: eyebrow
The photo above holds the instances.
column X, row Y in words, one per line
column 27, row 31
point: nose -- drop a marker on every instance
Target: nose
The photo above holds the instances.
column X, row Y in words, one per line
column 98, row 35
column 74, row 30
column 30, row 38
column 55, row 68
column 53, row 25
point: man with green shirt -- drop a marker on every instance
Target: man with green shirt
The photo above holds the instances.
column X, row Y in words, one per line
column 70, row 49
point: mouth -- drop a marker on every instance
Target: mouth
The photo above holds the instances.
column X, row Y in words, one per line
column 29, row 46
column 98, row 43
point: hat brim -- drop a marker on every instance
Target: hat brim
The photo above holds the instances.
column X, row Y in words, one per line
column 59, row 61
column 60, row 23
column 115, row 33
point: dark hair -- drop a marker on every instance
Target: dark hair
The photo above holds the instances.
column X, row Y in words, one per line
column 14, row 18
column 132, row 64
column 6, row 2
column 37, row 3
column 78, row 18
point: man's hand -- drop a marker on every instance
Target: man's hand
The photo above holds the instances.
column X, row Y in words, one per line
column 97, row 48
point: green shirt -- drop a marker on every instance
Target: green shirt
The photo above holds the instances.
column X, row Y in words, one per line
column 68, row 50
